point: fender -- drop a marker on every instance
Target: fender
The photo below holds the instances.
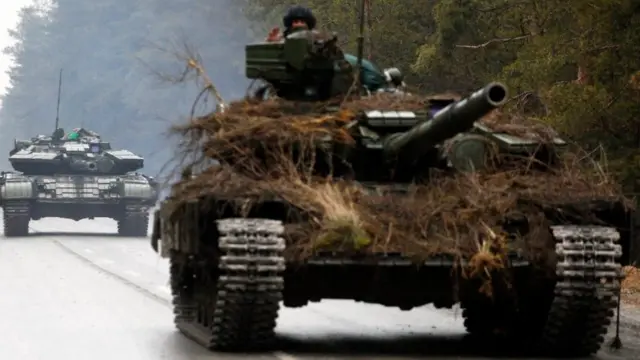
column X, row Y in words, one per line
column 16, row 187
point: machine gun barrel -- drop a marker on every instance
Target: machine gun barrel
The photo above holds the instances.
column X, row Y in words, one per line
column 456, row 118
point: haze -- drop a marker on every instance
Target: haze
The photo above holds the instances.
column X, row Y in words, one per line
column 8, row 20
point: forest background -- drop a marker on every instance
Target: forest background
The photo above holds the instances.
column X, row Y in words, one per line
column 574, row 64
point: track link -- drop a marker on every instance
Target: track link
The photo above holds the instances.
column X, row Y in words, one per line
column 241, row 315
column 588, row 283
column 582, row 303
column 134, row 224
column 484, row 319
column 182, row 287
column 16, row 218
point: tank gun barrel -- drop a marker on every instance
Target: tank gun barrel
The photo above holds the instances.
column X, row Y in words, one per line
column 456, row 118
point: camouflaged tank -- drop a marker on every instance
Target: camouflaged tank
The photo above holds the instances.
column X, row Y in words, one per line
column 83, row 178
column 229, row 273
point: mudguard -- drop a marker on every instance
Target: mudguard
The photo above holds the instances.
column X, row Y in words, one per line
column 15, row 187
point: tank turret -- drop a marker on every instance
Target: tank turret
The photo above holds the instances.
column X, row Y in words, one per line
column 88, row 154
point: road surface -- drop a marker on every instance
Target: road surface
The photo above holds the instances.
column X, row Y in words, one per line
column 73, row 290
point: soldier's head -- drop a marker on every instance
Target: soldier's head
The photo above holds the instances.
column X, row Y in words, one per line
column 58, row 134
column 298, row 17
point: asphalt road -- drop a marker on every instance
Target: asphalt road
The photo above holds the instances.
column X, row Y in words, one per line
column 74, row 291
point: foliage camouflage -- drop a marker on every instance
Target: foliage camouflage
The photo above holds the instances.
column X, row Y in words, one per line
column 570, row 63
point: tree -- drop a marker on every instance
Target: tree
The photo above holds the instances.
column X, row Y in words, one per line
column 29, row 72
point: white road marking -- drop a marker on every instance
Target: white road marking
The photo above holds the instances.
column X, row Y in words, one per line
column 164, row 289
column 283, row 356
column 132, row 273
column 167, row 290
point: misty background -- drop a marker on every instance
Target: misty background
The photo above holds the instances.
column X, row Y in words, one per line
column 120, row 62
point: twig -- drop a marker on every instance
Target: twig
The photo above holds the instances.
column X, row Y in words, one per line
column 195, row 65
column 503, row 40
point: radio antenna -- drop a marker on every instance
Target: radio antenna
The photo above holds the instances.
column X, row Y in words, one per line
column 58, row 106
column 361, row 45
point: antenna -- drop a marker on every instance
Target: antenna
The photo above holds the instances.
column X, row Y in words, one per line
column 58, row 107
column 361, row 44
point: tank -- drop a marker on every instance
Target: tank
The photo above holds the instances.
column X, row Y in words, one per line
column 79, row 178
column 235, row 309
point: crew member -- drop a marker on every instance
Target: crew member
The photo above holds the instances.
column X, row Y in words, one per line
column 372, row 78
column 73, row 135
column 297, row 18
column 58, row 134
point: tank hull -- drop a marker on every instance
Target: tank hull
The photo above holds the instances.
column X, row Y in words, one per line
column 126, row 199
column 248, row 254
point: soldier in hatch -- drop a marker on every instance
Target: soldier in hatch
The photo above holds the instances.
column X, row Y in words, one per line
column 389, row 80
column 297, row 18
column 74, row 135
column 374, row 80
column 58, row 134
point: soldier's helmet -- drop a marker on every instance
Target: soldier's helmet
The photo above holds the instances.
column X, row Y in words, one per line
column 299, row 12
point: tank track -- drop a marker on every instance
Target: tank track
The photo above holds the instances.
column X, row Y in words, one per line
column 241, row 315
column 584, row 298
column 16, row 217
column 484, row 319
column 588, row 282
column 134, row 224
column 182, row 289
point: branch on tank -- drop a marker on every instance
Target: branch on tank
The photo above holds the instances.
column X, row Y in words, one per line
column 185, row 54
column 209, row 86
column 493, row 41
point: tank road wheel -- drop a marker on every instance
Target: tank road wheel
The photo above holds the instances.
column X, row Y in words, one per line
column 484, row 319
column 518, row 323
column 16, row 218
column 134, row 224
column 238, row 302
column 588, row 282
column 516, row 314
